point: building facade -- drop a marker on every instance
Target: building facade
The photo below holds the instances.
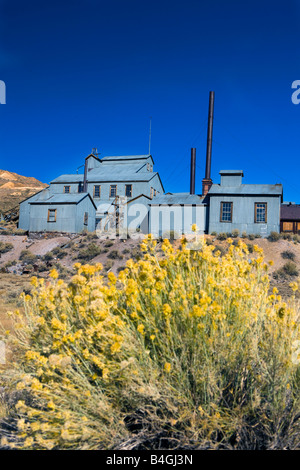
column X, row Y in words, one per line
column 249, row 208
column 77, row 202
column 125, row 192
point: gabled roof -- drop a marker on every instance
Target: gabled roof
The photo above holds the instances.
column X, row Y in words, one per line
column 64, row 199
column 247, row 189
column 91, row 155
column 138, row 197
column 35, row 196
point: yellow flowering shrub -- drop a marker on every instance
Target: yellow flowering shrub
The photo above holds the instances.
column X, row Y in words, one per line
column 189, row 346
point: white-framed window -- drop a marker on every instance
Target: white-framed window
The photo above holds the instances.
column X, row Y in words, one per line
column 113, row 190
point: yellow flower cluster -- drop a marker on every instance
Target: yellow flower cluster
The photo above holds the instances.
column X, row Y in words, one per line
column 190, row 324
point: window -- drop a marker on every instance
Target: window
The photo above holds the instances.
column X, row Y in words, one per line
column 97, row 190
column 86, row 218
column 226, row 212
column 51, row 215
column 66, row 189
column 151, row 192
column 80, row 187
column 128, row 190
column 98, row 223
column 148, row 166
column 113, row 190
column 260, row 214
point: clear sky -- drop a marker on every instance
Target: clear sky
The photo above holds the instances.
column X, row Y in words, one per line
column 84, row 73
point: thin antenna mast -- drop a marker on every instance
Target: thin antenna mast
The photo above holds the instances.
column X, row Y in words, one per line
column 150, row 136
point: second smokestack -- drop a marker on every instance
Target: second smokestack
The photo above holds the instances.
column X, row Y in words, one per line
column 209, row 134
column 207, row 182
column 193, row 171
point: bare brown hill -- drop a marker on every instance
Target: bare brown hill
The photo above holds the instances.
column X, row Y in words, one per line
column 15, row 188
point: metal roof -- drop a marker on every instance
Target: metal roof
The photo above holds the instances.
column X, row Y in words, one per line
column 177, row 198
column 68, row 179
column 105, row 173
column 290, row 212
column 247, row 189
column 62, row 199
column 231, row 172
column 126, row 157
column 120, row 173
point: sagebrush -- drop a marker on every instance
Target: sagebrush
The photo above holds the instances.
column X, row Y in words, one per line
column 185, row 350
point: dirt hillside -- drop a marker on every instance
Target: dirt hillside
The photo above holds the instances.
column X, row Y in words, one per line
column 15, row 188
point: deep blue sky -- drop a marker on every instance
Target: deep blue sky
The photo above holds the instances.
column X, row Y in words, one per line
column 83, row 74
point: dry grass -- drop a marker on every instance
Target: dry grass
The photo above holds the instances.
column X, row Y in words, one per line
column 11, row 286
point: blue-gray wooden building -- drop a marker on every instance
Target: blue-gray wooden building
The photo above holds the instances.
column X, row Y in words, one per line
column 76, row 202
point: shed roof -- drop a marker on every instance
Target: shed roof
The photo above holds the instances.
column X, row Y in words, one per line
column 231, row 172
column 290, row 212
column 177, row 198
column 125, row 157
column 247, row 189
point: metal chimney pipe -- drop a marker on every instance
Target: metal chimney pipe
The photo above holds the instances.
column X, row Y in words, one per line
column 85, row 176
column 193, row 170
column 209, row 134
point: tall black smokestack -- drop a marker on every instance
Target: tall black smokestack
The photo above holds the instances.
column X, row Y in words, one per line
column 209, row 133
column 207, row 182
column 193, row 170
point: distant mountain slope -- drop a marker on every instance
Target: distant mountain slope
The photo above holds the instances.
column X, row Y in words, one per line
column 15, row 188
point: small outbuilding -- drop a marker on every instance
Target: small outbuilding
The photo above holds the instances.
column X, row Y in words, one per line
column 290, row 218
column 70, row 213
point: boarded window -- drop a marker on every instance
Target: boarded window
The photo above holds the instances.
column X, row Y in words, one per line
column 260, row 212
column 51, row 215
column 66, row 189
column 288, row 226
column 113, row 190
column 97, row 190
column 226, row 212
column 86, row 218
column 128, row 190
